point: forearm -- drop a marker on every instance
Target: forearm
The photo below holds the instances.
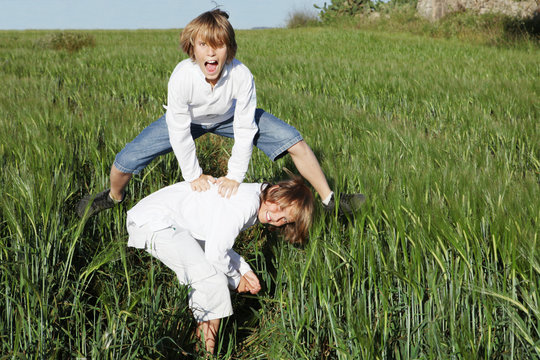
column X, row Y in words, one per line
column 241, row 153
column 240, row 265
column 184, row 149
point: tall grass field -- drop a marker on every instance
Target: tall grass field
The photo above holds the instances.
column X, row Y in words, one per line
column 442, row 262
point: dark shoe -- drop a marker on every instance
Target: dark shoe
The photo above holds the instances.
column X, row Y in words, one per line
column 92, row 204
column 348, row 203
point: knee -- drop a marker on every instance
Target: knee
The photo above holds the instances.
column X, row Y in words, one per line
column 126, row 160
column 299, row 149
column 118, row 173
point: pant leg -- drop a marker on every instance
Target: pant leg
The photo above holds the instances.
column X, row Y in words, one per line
column 209, row 297
column 274, row 136
column 149, row 144
column 152, row 142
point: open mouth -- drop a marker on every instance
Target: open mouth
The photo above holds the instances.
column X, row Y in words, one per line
column 211, row 66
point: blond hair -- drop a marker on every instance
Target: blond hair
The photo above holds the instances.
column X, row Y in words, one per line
column 214, row 28
column 295, row 194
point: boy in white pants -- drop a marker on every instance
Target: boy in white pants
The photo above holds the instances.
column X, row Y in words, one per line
column 193, row 234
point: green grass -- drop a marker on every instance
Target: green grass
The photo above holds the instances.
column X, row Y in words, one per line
column 466, row 25
column 441, row 135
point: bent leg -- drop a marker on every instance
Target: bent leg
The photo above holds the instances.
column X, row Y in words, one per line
column 175, row 247
column 307, row 164
column 178, row 250
column 136, row 155
column 275, row 138
column 209, row 299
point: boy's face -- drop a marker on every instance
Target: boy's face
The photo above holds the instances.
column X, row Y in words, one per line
column 210, row 60
column 272, row 214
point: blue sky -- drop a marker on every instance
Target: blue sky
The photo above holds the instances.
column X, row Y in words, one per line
column 142, row 14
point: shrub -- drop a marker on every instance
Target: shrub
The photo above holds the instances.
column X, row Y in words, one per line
column 70, row 41
column 301, row 18
column 530, row 27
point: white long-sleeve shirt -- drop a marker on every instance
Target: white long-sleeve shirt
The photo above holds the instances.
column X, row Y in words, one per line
column 206, row 215
column 191, row 99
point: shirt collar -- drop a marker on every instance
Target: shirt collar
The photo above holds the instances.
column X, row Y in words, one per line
column 224, row 73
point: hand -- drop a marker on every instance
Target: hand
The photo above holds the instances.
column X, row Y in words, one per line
column 242, row 285
column 227, row 187
column 202, row 183
column 249, row 282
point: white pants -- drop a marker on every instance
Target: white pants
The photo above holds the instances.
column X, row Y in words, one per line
column 209, row 297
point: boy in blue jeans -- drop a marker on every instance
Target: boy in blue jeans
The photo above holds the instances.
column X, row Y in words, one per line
column 213, row 92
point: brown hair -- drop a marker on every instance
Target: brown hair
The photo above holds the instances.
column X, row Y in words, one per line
column 214, row 28
column 296, row 194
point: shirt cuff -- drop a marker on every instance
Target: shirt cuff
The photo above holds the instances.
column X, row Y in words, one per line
column 238, row 179
column 233, row 281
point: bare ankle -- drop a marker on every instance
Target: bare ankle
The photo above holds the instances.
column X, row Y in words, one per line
column 116, row 196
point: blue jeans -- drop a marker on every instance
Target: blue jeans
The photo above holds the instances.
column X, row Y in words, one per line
column 274, row 138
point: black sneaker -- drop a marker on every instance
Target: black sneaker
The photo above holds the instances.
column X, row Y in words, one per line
column 348, row 203
column 96, row 203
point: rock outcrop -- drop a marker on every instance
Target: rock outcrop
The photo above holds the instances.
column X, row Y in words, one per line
column 436, row 9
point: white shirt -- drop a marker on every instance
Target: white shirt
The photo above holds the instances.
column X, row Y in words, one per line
column 191, row 99
column 206, row 215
